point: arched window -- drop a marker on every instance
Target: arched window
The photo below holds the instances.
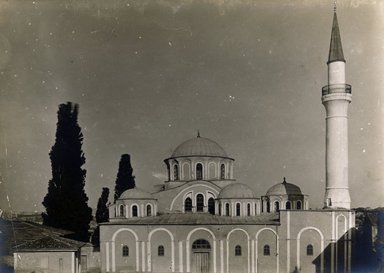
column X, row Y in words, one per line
column 267, row 250
column 149, row 210
column 125, row 251
column 222, row 171
column 298, row 204
column 220, row 209
column 248, row 209
column 237, row 250
column 160, row 251
column 188, row 204
column 211, row 205
column 176, row 172
column 226, row 209
column 134, row 211
column 288, row 205
column 277, row 206
column 238, row 209
column 121, row 210
column 199, row 171
column 309, row 250
column 268, row 207
column 199, row 202
column 201, row 244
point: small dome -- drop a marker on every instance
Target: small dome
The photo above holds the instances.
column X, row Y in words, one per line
column 236, row 191
column 199, row 146
column 284, row 188
column 136, row 193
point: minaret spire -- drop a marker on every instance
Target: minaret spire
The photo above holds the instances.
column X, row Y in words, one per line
column 335, row 49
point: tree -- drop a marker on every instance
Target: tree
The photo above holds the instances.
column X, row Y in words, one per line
column 66, row 201
column 102, row 213
column 125, row 180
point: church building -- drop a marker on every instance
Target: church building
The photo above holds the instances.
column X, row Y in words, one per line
column 202, row 220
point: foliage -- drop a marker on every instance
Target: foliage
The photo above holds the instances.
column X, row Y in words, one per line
column 125, row 180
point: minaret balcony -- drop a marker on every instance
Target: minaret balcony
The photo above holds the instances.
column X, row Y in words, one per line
column 336, row 89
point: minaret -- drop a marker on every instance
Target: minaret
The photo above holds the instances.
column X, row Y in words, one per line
column 336, row 97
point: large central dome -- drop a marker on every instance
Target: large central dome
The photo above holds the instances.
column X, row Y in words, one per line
column 199, row 146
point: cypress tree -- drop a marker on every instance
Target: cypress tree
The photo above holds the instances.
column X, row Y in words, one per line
column 102, row 213
column 66, row 201
column 125, row 180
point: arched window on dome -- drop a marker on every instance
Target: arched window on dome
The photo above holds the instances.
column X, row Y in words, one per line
column 268, row 206
column 237, row 250
column 267, row 250
column 199, row 202
column 149, row 210
column 226, row 209
column 248, row 209
column 298, row 204
column 125, row 251
column 199, row 171
column 222, row 171
column 238, row 209
column 176, row 172
column 211, row 205
column 288, row 205
column 277, row 206
column 121, row 210
column 219, row 209
column 188, row 204
column 309, row 250
column 134, row 211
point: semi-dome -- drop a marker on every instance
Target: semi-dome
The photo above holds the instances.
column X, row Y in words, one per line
column 284, row 188
column 136, row 193
column 236, row 191
column 199, row 146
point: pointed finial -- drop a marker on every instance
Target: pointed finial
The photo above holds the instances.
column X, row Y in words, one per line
column 334, row 6
column 284, row 181
column 198, row 133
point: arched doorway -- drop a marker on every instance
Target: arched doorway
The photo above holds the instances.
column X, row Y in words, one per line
column 200, row 261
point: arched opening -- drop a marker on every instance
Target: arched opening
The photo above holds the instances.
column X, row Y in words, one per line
column 160, row 251
column 199, row 202
column 149, row 210
column 277, row 206
column 248, row 209
column 134, row 211
column 199, row 171
column 211, row 205
column 222, row 171
column 298, row 204
column 237, row 250
column 175, row 172
column 268, row 207
column 125, row 251
column 267, row 250
column 309, row 250
column 288, row 205
column 121, row 210
column 238, row 209
column 188, row 204
column 201, row 251
column 186, row 172
column 226, row 209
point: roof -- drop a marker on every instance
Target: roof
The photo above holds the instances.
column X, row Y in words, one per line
column 335, row 48
column 199, row 146
column 238, row 191
column 284, row 188
column 198, row 219
column 136, row 193
column 49, row 243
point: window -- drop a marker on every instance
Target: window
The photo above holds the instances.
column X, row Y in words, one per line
column 134, row 211
column 188, row 204
column 222, row 171
column 211, row 205
column 199, row 202
column 288, row 205
column 199, row 171
column 248, row 209
column 277, row 206
column 175, row 172
column 220, row 209
column 226, row 209
column 125, row 251
column 298, row 204
column 268, row 207
column 237, row 250
column 309, row 250
column 149, row 210
column 238, row 209
column 160, row 251
column 201, row 244
column 267, row 250
column 121, row 210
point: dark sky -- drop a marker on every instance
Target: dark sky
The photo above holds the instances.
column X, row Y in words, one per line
column 147, row 74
